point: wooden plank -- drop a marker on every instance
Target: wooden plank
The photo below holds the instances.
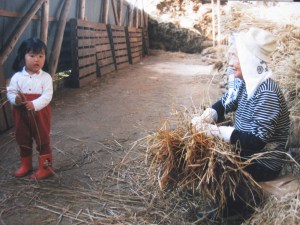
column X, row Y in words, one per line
column 120, row 46
column 100, row 48
column 3, row 125
column 118, row 33
column 119, row 40
column 94, row 25
column 87, row 70
column 101, row 41
column 85, row 52
column 6, row 120
column 115, row 27
column 122, row 65
column 122, row 59
column 86, row 61
column 88, row 79
column 6, row 13
column 135, row 39
column 85, row 42
column 136, row 59
column 101, row 34
column 104, row 62
column 85, row 33
column 104, row 55
column 121, row 52
column 136, row 44
column 135, row 54
column 107, row 69
column 132, row 29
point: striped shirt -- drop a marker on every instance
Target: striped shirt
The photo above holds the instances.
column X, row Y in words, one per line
column 261, row 123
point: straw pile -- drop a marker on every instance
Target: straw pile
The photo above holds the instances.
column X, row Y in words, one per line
column 283, row 210
column 184, row 158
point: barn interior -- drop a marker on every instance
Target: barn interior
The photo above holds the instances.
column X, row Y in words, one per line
column 121, row 70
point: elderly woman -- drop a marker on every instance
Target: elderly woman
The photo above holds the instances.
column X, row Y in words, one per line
column 262, row 118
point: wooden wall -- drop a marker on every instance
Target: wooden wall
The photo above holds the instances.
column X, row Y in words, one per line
column 98, row 49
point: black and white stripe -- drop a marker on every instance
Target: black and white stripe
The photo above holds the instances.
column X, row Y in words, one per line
column 266, row 116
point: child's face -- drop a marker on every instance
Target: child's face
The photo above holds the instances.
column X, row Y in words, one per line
column 34, row 61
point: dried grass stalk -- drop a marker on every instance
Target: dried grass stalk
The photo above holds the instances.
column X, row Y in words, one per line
column 186, row 158
column 278, row 210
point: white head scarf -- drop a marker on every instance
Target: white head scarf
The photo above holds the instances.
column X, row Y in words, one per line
column 254, row 51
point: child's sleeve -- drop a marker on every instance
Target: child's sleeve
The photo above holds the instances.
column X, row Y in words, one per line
column 46, row 95
column 12, row 90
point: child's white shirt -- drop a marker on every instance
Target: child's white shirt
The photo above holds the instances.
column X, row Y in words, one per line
column 39, row 83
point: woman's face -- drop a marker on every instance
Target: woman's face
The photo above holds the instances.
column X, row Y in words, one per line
column 234, row 63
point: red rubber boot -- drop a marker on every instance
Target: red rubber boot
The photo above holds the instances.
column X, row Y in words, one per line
column 26, row 166
column 45, row 168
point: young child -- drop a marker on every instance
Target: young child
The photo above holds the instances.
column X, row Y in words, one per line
column 30, row 92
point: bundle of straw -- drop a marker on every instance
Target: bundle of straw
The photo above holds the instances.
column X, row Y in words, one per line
column 186, row 158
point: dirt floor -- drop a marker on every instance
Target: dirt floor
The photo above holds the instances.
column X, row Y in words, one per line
column 92, row 129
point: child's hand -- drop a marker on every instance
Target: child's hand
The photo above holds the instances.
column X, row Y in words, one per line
column 18, row 100
column 29, row 105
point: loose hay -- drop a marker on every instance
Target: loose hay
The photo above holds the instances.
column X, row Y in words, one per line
column 184, row 158
column 277, row 211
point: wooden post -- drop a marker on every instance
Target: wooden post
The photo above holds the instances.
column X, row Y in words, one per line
column 59, row 37
column 213, row 22
column 14, row 37
column 219, row 22
column 44, row 22
column 142, row 14
column 105, row 11
column 117, row 22
column 146, row 20
column 137, row 13
column 130, row 14
column 82, row 10
column 121, row 12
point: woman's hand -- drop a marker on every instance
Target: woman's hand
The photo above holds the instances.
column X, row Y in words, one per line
column 208, row 116
column 222, row 132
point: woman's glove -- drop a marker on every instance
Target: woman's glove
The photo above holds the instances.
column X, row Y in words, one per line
column 222, row 132
column 208, row 116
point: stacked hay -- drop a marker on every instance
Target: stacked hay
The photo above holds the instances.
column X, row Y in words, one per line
column 183, row 158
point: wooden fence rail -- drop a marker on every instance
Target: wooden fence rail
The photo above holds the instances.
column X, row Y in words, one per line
column 98, row 49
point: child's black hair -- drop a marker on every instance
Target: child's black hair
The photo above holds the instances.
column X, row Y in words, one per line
column 34, row 45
